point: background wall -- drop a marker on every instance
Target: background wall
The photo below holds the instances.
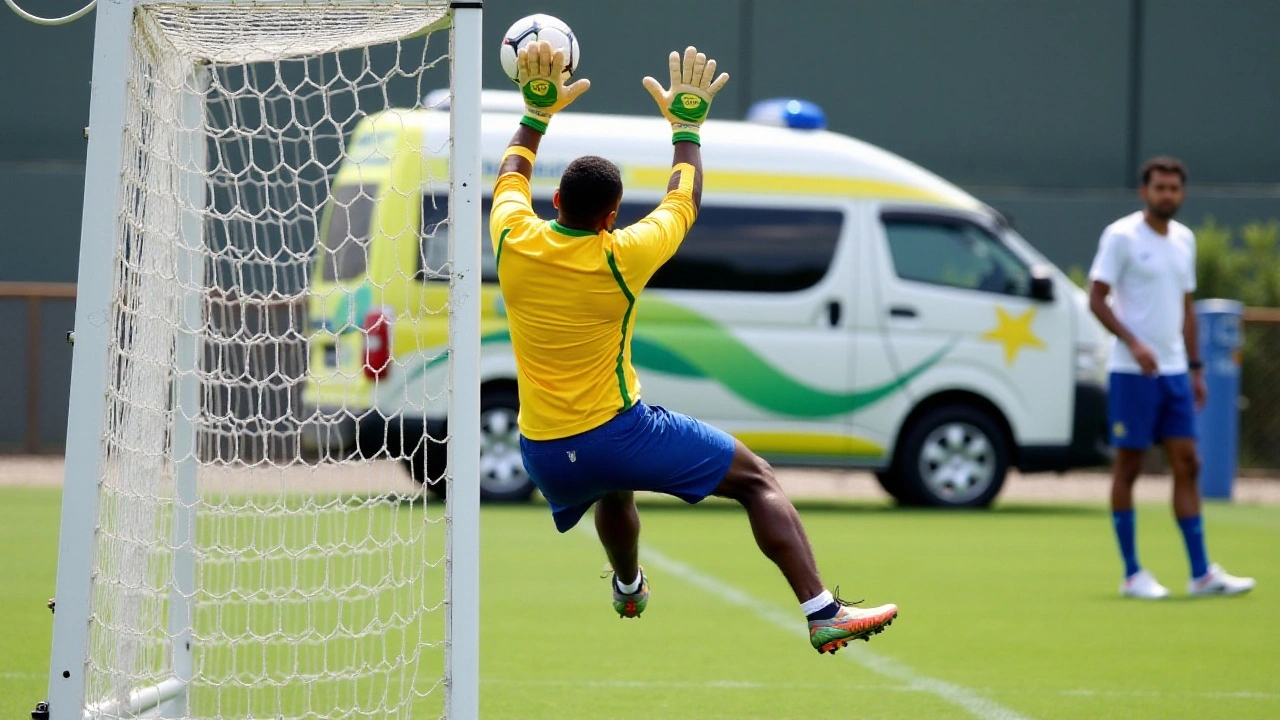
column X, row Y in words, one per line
column 1043, row 109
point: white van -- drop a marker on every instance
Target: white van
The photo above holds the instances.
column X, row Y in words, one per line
column 834, row 305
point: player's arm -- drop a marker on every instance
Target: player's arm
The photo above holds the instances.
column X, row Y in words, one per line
column 1098, row 292
column 1191, row 338
column 685, row 105
column 642, row 248
column 1106, row 270
column 540, row 74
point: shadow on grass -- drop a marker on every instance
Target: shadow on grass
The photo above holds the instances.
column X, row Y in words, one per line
column 813, row 506
column 816, row 506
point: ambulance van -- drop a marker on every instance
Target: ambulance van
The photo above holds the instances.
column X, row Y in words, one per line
column 834, row 305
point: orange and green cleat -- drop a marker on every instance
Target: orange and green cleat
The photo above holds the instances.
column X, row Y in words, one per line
column 828, row 636
column 628, row 605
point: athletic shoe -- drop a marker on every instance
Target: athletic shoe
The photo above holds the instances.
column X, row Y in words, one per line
column 828, row 636
column 628, row 605
column 1143, row 585
column 1218, row 582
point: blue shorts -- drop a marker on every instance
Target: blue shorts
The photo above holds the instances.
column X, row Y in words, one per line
column 1147, row 409
column 644, row 448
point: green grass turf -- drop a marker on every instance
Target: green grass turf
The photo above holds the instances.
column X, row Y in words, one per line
column 1018, row 606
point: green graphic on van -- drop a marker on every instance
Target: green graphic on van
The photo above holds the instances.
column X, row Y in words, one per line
column 719, row 356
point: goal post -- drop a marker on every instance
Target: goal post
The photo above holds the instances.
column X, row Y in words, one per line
column 210, row 563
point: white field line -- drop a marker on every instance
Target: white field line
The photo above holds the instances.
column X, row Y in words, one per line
column 962, row 697
column 749, row 685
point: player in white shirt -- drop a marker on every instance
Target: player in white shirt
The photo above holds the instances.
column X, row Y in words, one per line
column 1146, row 263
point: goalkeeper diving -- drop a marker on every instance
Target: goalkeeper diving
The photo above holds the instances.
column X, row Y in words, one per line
column 570, row 287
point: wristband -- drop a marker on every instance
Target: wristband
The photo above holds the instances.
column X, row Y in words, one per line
column 519, row 150
column 686, row 136
column 1195, row 365
column 532, row 122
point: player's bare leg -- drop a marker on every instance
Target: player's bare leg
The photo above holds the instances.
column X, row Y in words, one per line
column 1184, row 463
column 774, row 520
column 1206, row 578
column 781, row 537
column 1138, row 583
column 1124, row 474
column 618, row 526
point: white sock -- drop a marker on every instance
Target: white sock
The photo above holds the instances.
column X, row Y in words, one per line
column 630, row 588
column 816, row 604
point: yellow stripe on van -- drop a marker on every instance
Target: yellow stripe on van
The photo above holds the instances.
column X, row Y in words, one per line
column 741, row 181
column 777, row 184
column 797, row 443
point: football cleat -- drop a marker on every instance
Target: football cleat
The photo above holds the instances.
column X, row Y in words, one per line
column 851, row 623
column 1218, row 582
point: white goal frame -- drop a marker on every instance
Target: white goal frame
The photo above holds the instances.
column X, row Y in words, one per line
column 85, row 425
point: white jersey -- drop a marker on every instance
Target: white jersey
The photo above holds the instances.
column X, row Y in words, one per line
column 1149, row 275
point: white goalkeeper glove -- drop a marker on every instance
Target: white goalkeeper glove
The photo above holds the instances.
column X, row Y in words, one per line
column 686, row 102
column 540, row 75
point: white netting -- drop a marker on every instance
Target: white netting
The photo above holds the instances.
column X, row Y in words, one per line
column 312, row 583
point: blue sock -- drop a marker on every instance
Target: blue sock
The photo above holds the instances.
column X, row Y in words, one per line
column 1126, row 533
column 826, row 613
column 1193, row 536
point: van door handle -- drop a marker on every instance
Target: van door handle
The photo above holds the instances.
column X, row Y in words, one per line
column 902, row 311
column 833, row 313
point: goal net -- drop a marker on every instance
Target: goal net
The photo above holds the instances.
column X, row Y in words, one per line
column 267, row 286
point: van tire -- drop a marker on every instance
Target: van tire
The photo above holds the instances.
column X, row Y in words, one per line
column 891, row 482
column 945, row 444
column 505, row 479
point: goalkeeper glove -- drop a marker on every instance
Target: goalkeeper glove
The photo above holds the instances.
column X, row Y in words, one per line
column 540, row 75
column 686, row 102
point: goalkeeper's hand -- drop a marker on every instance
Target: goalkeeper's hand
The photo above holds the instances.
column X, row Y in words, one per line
column 540, row 75
column 686, row 102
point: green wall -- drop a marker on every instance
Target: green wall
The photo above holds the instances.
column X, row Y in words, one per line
column 1042, row 108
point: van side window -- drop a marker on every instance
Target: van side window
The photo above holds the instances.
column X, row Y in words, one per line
column 433, row 260
column 344, row 252
column 748, row 249
column 954, row 253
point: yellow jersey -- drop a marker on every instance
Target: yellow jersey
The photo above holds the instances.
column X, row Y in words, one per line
column 570, row 298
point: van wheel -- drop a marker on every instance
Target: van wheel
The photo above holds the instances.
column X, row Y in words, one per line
column 502, row 474
column 891, row 482
column 954, row 456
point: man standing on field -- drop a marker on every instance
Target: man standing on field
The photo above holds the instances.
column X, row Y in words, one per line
column 570, row 287
column 1147, row 263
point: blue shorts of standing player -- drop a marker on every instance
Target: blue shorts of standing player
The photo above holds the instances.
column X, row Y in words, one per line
column 1146, row 410
column 645, row 448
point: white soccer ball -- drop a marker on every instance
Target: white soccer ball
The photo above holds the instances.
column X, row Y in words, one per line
column 539, row 27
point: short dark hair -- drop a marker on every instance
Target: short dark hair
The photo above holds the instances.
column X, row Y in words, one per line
column 1164, row 164
column 590, row 188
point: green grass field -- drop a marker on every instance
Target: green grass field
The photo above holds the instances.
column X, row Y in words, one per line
column 1006, row 614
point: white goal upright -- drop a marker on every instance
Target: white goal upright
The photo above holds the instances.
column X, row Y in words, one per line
column 210, row 565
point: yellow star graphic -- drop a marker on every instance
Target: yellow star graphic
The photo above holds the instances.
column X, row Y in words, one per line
column 1014, row 333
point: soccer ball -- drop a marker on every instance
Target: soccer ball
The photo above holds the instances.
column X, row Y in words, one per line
column 539, row 27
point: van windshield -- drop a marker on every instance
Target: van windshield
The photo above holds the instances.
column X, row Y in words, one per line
column 343, row 254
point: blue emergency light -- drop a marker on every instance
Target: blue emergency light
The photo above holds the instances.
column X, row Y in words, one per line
column 789, row 113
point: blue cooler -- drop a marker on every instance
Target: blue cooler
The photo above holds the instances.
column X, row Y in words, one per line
column 1218, row 424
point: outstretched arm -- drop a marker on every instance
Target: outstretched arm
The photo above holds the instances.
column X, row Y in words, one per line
column 685, row 105
column 642, row 248
column 540, row 74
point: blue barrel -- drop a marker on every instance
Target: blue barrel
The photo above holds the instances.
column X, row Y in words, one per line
column 1218, row 424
